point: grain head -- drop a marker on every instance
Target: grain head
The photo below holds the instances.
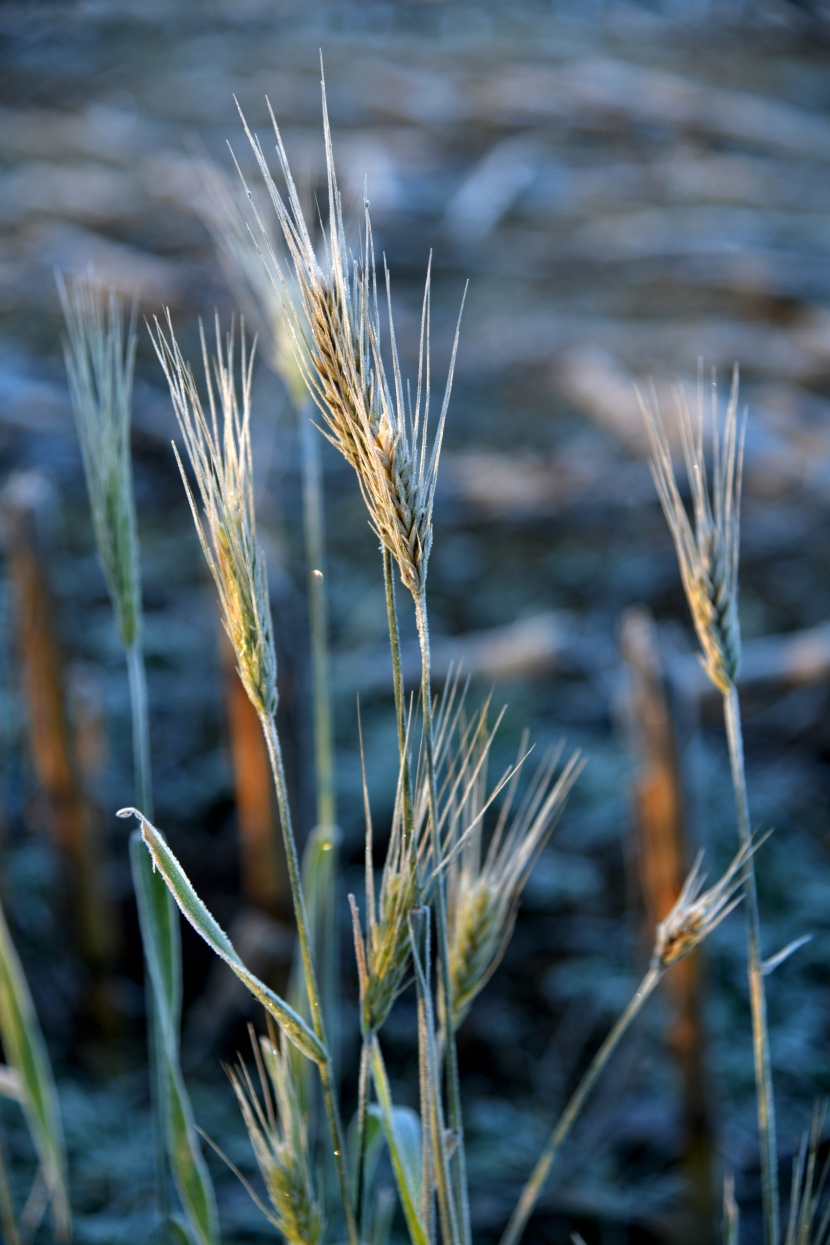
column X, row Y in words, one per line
column 218, row 446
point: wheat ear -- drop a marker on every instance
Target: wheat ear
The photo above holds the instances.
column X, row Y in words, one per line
column 485, row 885
column 276, row 1126
column 333, row 312
column 220, row 455
column 708, row 544
column 100, row 358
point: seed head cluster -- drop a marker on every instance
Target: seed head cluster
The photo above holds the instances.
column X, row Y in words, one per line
column 383, row 952
column 707, row 549
column 486, row 875
column 276, row 1126
column 333, row 315
column 697, row 912
column 219, row 450
column 99, row 363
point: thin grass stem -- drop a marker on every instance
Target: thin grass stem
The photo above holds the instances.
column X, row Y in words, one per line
column 757, row 993
column 26, row 1055
column 314, row 526
column 397, row 679
column 142, row 774
column 459, row 1164
column 430, row 1067
column 362, row 1108
column 324, row 853
column 530, row 1194
column 157, row 1091
column 141, row 728
column 303, row 933
column 427, row 1089
column 695, row 914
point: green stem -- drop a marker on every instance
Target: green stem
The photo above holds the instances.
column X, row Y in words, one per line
column 324, row 908
column 429, row 1066
column 314, row 527
column 157, row 1093
column 400, row 713
column 427, row 1083
column 142, row 774
column 530, row 1193
column 362, row 1107
column 459, row 1162
column 141, row 729
column 326, row 1072
column 757, row 995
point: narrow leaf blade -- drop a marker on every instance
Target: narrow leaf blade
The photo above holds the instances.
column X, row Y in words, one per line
column 25, row 1051
column 406, row 1177
column 206, row 925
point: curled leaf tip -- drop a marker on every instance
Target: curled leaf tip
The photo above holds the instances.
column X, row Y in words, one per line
column 130, row 812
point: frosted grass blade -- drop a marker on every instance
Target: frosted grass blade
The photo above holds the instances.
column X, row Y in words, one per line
column 25, row 1052
column 192, row 907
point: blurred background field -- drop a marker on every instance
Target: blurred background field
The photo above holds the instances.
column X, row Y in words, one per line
column 628, row 188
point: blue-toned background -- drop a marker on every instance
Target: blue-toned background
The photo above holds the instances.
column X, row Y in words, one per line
column 628, row 188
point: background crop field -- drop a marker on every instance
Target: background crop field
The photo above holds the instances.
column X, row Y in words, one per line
column 628, row 188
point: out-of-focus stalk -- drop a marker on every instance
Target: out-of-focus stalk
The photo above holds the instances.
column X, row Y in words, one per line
column 693, row 917
column 100, row 369
column 25, row 1053
column 708, row 552
column 757, row 993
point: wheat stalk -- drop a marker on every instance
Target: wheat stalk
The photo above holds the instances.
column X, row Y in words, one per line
column 692, row 918
column 100, row 360
column 385, row 435
column 708, row 555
